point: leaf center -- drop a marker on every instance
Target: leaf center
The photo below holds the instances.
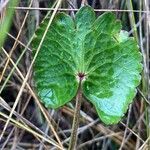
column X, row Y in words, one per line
column 81, row 76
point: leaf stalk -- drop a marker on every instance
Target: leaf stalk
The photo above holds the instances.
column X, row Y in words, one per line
column 74, row 134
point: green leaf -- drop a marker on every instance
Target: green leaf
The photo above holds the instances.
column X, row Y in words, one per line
column 96, row 50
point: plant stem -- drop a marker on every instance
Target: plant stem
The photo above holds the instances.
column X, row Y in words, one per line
column 75, row 124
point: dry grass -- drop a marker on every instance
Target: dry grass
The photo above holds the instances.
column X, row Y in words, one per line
column 26, row 124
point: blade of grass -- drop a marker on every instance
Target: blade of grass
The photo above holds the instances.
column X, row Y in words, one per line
column 29, row 130
column 132, row 19
column 23, row 120
column 125, row 132
column 70, row 9
column 146, row 4
column 16, row 41
column 6, row 21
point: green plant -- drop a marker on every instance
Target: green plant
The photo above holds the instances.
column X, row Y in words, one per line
column 90, row 57
column 95, row 52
